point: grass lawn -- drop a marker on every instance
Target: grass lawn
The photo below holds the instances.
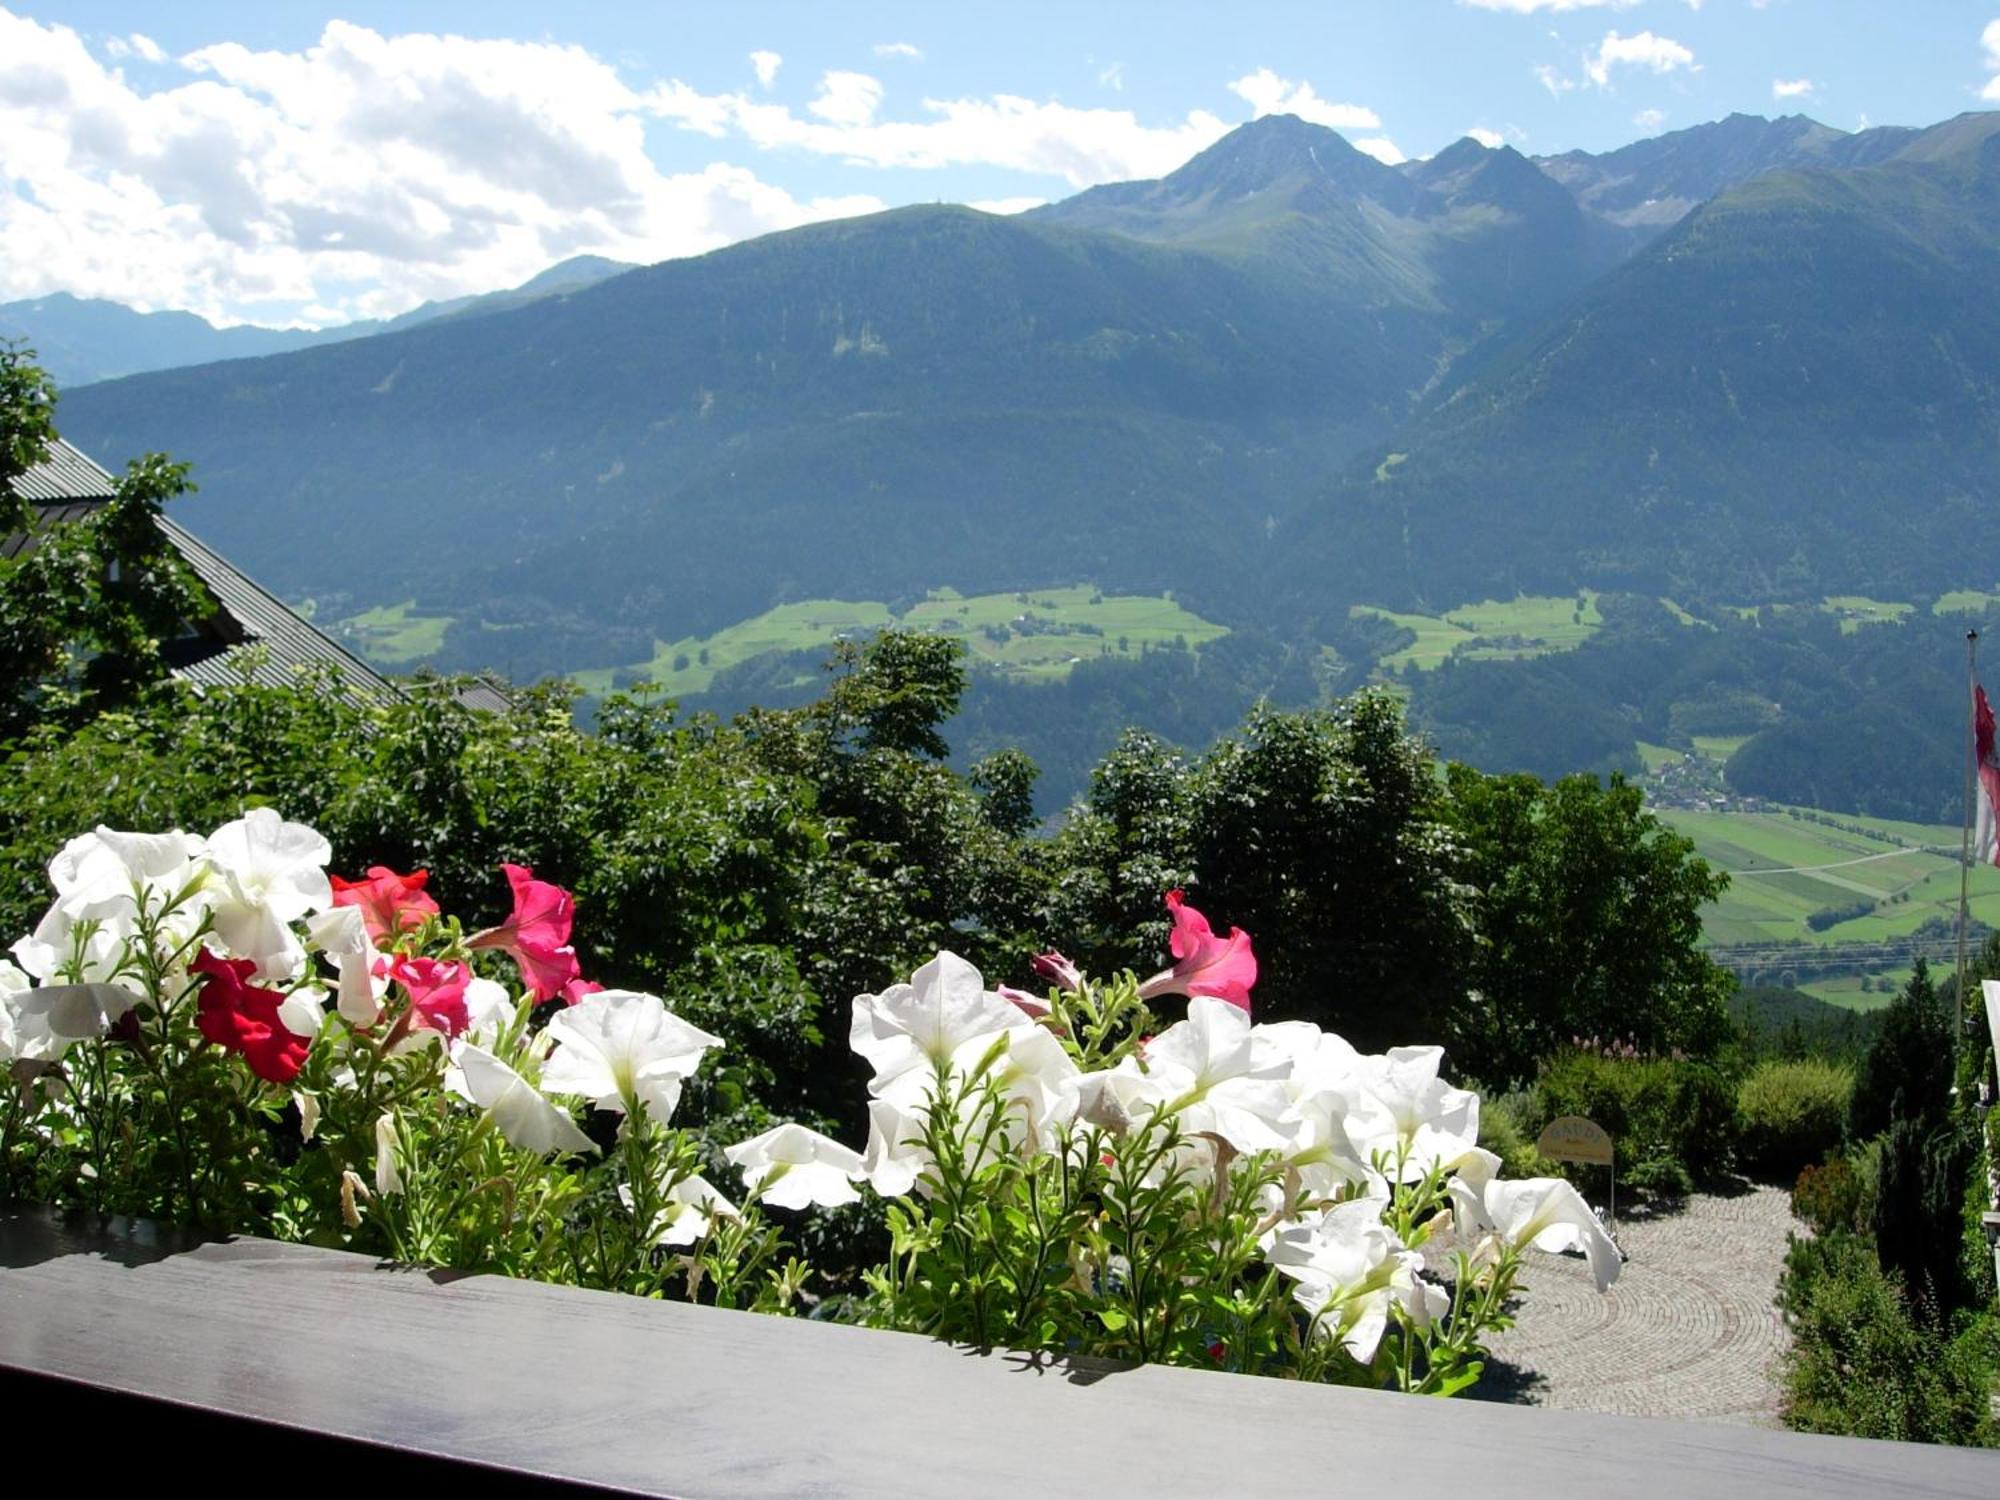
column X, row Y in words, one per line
column 1966, row 601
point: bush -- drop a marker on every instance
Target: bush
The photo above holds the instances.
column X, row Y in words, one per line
column 1791, row 1114
column 1507, row 1129
column 1658, row 1110
column 1918, row 1215
column 1907, row 1073
column 1831, row 1197
column 1860, row 1365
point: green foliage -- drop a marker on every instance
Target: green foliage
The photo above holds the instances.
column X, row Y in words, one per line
column 1508, row 1126
column 1907, row 1074
column 84, row 605
column 1790, row 1024
column 1918, row 1217
column 1832, row 1196
column 1662, row 1112
column 1791, row 1113
column 1588, row 911
column 1327, row 826
column 1860, row 1365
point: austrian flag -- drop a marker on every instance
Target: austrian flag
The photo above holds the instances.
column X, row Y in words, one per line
column 1986, row 835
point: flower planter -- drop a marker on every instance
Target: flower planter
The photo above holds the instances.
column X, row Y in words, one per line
column 146, row 1356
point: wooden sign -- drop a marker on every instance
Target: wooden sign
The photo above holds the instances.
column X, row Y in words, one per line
column 1573, row 1138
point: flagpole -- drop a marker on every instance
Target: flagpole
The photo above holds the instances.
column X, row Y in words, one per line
column 1965, row 838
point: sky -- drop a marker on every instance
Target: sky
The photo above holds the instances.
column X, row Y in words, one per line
column 289, row 163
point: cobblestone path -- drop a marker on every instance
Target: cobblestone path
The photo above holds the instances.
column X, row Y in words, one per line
column 1689, row 1330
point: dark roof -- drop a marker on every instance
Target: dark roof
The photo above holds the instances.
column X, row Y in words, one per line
column 69, row 486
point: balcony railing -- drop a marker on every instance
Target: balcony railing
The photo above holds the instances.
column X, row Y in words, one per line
column 130, row 1355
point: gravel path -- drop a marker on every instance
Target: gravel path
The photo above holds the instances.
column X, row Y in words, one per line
column 1689, row 1330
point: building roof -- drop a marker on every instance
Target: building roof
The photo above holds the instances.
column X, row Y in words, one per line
column 69, row 486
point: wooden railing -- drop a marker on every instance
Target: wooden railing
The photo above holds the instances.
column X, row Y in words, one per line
column 128, row 1356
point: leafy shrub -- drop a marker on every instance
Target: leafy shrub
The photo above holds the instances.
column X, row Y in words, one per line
column 1917, row 1220
column 1657, row 1109
column 1507, row 1128
column 1662, row 1176
column 1831, row 1197
column 1791, row 1114
column 1860, row 1365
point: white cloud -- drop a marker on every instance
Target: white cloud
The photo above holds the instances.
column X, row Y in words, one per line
column 138, row 45
column 1006, row 205
column 1990, row 40
column 1552, row 79
column 898, row 49
column 1792, row 88
column 766, row 65
column 1492, row 140
column 1112, row 77
column 1643, row 50
column 1082, row 146
column 1650, row 120
column 355, row 177
column 1268, row 94
column 849, row 99
column 1530, row 7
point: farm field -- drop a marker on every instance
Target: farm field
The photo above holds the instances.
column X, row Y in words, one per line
column 1497, row 629
column 1885, row 879
column 1036, row 634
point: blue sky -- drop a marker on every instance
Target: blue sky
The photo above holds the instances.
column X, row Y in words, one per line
column 291, row 162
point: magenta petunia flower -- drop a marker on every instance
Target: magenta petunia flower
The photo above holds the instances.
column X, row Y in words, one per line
column 1204, row 964
column 537, row 934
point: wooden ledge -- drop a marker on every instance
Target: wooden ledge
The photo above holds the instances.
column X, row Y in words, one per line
column 251, row 1360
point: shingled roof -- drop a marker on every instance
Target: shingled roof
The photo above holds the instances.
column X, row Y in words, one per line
column 69, row 486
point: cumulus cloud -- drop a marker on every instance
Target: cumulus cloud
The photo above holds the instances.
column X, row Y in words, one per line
column 1791, row 88
column 354, row 177
column 138, row 45
column 1006, row 205
column 849, row 99
column 1382, row 149
column 898, row 49
column 1268, row 94
column 1492, row 140
column 1082, row 146
column 1112, row 77
column 1643, row 50
column 1990, row 40
column 1650, row 120
column 766, row 65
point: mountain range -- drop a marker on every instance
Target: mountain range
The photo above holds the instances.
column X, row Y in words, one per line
column 1750, row 360
column 83, row 339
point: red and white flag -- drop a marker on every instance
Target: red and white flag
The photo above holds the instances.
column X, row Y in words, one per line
column 1986, row 832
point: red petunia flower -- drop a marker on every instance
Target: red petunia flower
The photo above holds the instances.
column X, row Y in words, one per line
column 1204, row 964
column 537, row 935
column 576, row 989
column 241, row 1017
column 391, row 904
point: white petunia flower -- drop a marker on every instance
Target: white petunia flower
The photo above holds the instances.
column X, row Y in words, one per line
column 1351, row 1270
column 519, row 1111
column 341, row 933
column 1400, row 1108
column 388, row 1175
column 791, row 1167
column 623, row 1050
column 1217, row 1077
column 1544, row 1213
column 271, row 873
column 910, row 1032
column 692, row 1206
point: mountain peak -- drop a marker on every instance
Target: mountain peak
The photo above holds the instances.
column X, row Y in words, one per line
column 1271, row 150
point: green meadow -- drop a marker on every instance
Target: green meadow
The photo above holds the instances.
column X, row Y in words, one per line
column 395, row 635
column 1496, row 629
column 1032, row 635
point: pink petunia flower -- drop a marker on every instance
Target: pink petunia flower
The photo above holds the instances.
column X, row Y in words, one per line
column 576, row 989
column 1204, row 964
column 1058, row 970
column 436, row 988
column 537, row 934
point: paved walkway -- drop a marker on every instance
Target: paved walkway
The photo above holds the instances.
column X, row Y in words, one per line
column 1689, row 1330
